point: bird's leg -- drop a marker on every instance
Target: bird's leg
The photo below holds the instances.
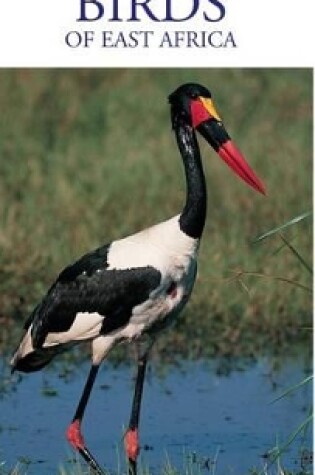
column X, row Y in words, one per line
column 73, row 433
column 132, row 436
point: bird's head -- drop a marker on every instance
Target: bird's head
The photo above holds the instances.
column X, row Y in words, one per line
column 192, row 105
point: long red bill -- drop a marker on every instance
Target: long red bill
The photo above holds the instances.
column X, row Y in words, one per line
column 235, row 160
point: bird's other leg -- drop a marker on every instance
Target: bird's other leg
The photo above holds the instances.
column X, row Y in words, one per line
column 73, row 433
column 132, row 434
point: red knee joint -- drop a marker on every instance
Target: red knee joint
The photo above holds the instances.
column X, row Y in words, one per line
column 132, row 444
column 74, row 435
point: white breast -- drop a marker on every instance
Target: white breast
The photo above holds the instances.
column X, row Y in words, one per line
column 163, row 246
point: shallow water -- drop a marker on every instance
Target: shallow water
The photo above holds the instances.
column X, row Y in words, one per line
column 193, row 413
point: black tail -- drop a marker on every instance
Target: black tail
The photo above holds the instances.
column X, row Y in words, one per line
column 35, row 360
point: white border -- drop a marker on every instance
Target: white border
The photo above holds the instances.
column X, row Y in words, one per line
column 274, row 33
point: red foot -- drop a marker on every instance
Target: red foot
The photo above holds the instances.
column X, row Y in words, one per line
column 74, row 435
column 132, row 444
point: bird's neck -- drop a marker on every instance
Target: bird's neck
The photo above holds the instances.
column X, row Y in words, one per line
column 192, row 218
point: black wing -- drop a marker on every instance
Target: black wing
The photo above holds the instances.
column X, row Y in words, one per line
column 89, row 286
column 87, row 264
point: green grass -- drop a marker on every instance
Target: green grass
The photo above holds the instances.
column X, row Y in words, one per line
column 88, row 156
column 193, row 464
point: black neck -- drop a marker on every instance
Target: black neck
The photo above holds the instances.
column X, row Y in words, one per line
column 192, row 218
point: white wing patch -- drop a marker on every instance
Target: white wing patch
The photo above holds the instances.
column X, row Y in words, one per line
column 25, row 347
column 85, row 326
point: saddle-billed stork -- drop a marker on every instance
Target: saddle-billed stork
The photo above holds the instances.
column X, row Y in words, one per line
column 133, row 287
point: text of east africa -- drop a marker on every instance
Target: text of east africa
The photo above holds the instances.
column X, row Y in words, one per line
column 146, row 39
